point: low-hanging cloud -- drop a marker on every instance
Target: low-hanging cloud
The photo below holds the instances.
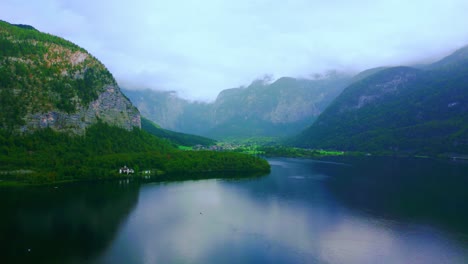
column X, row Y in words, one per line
column 201, row 47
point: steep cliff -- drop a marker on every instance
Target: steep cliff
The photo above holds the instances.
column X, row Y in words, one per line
column 46, row 81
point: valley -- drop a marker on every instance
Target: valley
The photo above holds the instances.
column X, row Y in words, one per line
column 396, row 111
column 233, row 132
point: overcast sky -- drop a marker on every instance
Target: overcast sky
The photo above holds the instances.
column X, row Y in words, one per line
column 198, row 48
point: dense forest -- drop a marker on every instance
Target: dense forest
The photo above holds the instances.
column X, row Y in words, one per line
column 47, row 156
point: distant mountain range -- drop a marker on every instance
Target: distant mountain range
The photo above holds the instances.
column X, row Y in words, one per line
column 48, row 82
column 399, row 109
column 421, row 110
column 262, row 109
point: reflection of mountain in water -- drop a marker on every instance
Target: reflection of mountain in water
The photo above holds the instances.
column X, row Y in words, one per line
column 61, row 225
column 426, row 191
column 290, row 179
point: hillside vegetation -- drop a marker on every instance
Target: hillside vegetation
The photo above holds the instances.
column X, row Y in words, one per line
column 46, row 81
column 399, row 110
column 47, row 156
column 63, row 118
column 175, row 137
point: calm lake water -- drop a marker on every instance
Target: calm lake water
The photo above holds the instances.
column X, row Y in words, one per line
column 350, row 211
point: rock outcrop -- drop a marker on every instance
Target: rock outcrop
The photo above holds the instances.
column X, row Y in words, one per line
column 111, row 107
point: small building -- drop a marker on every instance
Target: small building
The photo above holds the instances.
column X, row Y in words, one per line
column 126, row 170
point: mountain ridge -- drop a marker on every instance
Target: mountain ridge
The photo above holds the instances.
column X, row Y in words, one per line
column 399, row 109
column 278, row 108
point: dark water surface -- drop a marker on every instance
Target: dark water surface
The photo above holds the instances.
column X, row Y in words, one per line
column 369, row 210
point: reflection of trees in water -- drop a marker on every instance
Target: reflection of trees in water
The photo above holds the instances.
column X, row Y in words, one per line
column 429, row 191
column 70, row 223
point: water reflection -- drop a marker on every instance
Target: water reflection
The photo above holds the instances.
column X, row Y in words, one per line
column 289, row 216
column 63, row 224
column 348, row 211
column 417, row 190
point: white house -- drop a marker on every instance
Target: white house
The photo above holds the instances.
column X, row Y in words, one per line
column 126, row 170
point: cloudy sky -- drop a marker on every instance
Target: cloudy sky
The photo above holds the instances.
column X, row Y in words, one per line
column 198, row 48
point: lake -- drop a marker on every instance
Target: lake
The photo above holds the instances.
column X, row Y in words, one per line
column 361, row 210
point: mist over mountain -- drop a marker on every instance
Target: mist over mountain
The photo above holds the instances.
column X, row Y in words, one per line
column 352, row 147
column 164, row 45
column 262, row 109
column 420, row 109
column 399, row 109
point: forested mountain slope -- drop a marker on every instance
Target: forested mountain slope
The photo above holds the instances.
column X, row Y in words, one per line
column 64, row 118
column 46, row 81
column 399, row 109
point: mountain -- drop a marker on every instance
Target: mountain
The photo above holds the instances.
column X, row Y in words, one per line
column 456, row 60
column 261, row 109
column 63, row 118
column 175, row 137
column 46, row 81
column 399, row 109
column 171, row 112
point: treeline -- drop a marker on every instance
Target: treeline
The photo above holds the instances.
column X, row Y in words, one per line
column 47, row 156
column 284, row 151
column 26, row 33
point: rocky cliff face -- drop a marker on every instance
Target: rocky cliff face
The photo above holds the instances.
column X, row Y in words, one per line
column 165, row 107
column 110, row 107
column 46, row 81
